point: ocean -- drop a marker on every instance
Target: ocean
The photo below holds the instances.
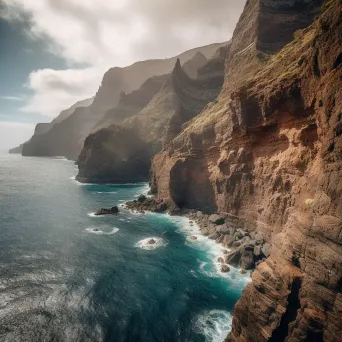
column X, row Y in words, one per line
column 66, row 275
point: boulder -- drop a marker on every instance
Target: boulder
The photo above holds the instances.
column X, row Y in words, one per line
column 193, row 238
column 247, row 260
column 224, row 229
column 236, row 244
column 225, row 268
column 141, row 198
column 238, row 235
column 216, row 219
column 233, row 258
column 220, row 260
column 266, row 249
column 257, row 251
column 104, row 211
column 151, row 242
column 213, row 236
column 199, row 215
column 114, row 210
column 228, row 240
column 220, row 238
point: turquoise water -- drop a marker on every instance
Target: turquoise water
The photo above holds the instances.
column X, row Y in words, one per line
column 62, row 281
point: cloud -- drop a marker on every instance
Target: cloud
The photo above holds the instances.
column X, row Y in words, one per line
column 11, row 98
column 93, row 36
column 56, row 90
column 14, row 133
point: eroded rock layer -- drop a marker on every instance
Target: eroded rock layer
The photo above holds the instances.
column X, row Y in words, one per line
column 269, row 152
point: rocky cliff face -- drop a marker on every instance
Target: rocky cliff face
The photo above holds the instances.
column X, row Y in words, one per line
column 192, row 65
column 132, row 103
column 178, row 100
column 66, row 138
column 269, row 152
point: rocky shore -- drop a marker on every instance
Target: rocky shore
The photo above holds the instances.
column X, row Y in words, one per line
column 243, row 247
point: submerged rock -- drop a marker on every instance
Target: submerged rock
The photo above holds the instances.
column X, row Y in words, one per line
column 141, row 198
column 225, row 268
column 103, row 211
column 148, row 204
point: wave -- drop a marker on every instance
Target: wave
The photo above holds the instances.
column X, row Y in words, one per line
column 214, row 325
column 93, row 215
column 213, row 250
column 106, row 192
column 97, row 231
column 144, row 244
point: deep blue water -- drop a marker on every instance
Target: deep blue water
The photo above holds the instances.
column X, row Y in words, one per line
column 61, row 281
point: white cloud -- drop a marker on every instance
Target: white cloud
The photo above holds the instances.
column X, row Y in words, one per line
column 14, row 133
column 11, row 98
column 106, row 33
column 56, row 90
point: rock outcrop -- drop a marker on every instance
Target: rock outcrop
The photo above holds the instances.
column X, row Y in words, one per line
column 66, row 137
column 16, row 150
column 179, row 99
column 115, row 151
column 192, row 66
column 132, row 103
column 269, row 152
column 47, row 138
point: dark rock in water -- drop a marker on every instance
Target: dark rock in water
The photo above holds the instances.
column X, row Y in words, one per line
column 142, row 198
column 151, row 242
column 103, row 211
column 149, row 204
column 243, row 270
column 115, row 210
column 225, row 268
column 95, row 230
column 216, row 219
column 193, row 238
column 220, row 260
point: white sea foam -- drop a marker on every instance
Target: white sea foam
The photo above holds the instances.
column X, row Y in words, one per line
column 214, row 251
column 98, row 231
column 214, row 325
column 106, row 192
column 93, row 215
column 145, row 245
column 73, row 178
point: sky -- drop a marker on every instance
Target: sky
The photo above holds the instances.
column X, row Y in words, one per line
column 54, row 53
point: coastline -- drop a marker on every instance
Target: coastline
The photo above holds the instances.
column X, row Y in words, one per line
column 241, row 248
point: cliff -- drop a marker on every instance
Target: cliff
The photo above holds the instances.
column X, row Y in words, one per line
column 66, row 138
column 269, row 153
column 178, row 100
column 16, row 150
column 132, row 103
column 192, row 65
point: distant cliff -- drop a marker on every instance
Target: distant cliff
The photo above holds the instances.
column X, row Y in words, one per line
column 66, row 137
column 179, row 99
column 16, row 150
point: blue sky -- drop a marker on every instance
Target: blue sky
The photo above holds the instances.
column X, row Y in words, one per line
column 54, row 53
column 20, row 55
